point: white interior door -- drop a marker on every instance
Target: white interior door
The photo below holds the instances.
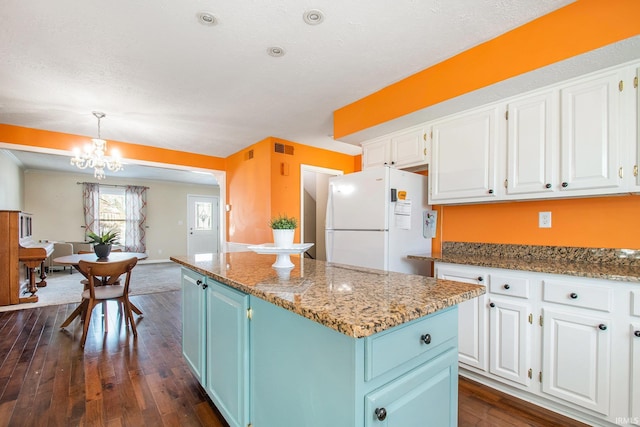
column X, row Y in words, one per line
column 202, row 224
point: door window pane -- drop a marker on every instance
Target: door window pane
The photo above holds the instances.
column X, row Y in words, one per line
column 204, row 212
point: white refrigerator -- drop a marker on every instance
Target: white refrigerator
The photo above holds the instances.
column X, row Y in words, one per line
column 376, row 217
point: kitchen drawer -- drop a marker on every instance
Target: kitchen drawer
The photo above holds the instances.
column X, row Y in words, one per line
column 512, row 286
column 635, row 303
column 578, row 294
column 390, row 349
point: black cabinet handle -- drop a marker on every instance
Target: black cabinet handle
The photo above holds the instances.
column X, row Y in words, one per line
column 492, row 305
column 547, row 186
column 490, row 191
column 426, row 338
column 393, row 163
column 199, row 282
column 480, row 279
column 565, row 184
column 506, row 286
column 602, row 327
column 637, row 333
column 205, row 286
column 381, row 414
column 573, row 295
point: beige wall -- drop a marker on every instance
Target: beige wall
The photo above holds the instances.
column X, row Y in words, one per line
column 11, row 183
column 55, row 200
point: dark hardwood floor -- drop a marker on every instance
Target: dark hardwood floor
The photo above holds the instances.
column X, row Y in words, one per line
column 47, row 380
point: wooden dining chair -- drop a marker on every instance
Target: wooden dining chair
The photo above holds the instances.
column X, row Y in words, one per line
column 108, row 275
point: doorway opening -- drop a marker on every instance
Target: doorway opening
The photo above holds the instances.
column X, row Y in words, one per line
column 314, row 189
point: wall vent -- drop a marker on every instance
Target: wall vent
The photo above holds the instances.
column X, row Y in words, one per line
column 283, row 149
column 248, row 155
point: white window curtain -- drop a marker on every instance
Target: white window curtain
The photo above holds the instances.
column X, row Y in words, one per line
column 91, row 203
column 136, row 208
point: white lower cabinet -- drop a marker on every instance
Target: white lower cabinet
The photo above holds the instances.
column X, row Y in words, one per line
column 634, row 398
column 566, row 343
column 472, row 316
column 576, row 359
column 510, row 340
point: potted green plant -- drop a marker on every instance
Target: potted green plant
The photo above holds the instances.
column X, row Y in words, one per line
column 283, row 230
column 102, row 243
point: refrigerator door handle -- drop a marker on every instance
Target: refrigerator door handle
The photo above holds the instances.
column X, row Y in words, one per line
column 328, row 242
column 328, row 219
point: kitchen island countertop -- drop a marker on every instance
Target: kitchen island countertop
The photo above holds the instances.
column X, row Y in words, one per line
column 355, row 301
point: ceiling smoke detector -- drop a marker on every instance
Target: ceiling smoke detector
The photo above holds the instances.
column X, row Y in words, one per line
column 275, row 51
column 313, row 17
column 206, row 18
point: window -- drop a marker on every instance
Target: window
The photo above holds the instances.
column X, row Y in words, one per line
column 117, row 207
column 112, row 210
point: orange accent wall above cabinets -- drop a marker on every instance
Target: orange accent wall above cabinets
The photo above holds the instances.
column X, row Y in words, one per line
column 67, row 142
column 269, row 184
column 599, row 222
column 575, row 29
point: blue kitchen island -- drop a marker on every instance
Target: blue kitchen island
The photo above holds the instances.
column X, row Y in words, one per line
column 321, row 344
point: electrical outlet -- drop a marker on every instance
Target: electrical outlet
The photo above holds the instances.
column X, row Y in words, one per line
column 544, row 219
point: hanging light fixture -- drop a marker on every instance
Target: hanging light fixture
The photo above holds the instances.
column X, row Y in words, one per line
column 93, row 155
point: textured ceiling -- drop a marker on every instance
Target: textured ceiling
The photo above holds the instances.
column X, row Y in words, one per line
column 165, row 80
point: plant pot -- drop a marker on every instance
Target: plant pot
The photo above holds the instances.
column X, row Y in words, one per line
column 102, row 250
column 283, row 238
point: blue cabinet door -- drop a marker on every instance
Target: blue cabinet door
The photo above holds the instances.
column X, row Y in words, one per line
column 425, row 396
column 227, row 338
column 193, row 322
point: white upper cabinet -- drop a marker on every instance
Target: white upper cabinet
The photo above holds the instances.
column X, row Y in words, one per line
column 590, row 135
column 577, row 138
column 407, row 148
column 633, row 130
column 376, row 153
column 532, row 144
column 464, row 149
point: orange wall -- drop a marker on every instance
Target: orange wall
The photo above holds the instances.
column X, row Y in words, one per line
column 63, row 141
column 269, row 184
column 609, row 222
column 248, row 190
column 575, row 29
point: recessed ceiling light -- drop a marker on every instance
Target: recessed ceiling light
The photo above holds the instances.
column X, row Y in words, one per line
column 313, row 16
column 206, row 18
column 275, row 51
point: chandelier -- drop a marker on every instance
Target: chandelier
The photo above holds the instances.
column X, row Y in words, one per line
column 93, row 155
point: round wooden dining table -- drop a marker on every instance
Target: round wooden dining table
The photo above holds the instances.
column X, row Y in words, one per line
column 74, row 261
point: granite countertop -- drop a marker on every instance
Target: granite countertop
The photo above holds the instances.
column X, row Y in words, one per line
column 355, row 301
column 599, row 263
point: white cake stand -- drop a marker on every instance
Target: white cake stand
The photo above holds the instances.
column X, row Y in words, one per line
column 283, row 259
